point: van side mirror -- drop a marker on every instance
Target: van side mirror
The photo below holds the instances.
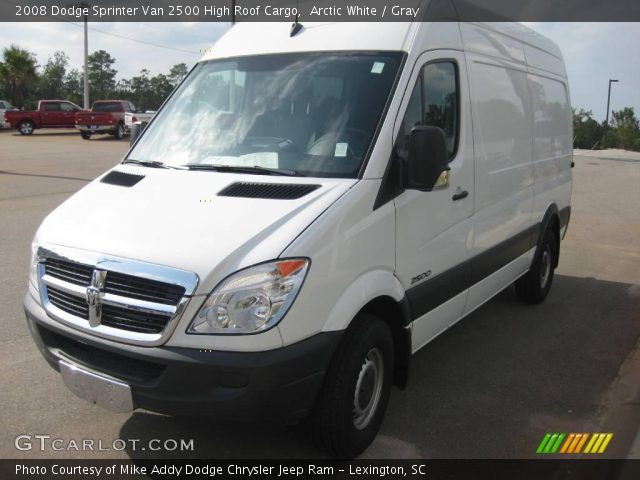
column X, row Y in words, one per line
column 136, row 130
column 428, row 158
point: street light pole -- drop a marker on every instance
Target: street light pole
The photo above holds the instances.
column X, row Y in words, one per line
column 85, row 6
column 606, row 122
column 86, row 62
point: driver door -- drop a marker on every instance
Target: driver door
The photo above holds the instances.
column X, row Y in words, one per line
column 433, row 229
column 67, row 114
column 51, row 114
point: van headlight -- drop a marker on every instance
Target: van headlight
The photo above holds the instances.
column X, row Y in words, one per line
column 251, row 300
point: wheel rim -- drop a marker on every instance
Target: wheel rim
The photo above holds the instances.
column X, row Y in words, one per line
column 121, row 131
column 545, row 267
column 368, row 388
column 26, row 127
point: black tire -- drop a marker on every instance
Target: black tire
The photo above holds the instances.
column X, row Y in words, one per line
column 119, row 133
column 535, row 285
column 85, row 135
column 334, row 425
column 25, row 127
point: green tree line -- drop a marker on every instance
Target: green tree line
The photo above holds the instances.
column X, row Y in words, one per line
column 622, row 132
column 23, row 82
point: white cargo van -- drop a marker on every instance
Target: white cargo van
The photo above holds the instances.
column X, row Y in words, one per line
column 306, row 211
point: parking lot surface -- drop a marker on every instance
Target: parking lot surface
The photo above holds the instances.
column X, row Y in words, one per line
column 490, row 387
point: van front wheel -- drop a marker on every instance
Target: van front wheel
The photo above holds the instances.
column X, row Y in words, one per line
column 349, row 409
column 535, row 285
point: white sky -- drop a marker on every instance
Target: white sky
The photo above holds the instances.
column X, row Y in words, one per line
column 594, row 52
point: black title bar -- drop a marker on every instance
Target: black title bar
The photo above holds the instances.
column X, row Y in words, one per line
column 320, row 10
column 577, row 469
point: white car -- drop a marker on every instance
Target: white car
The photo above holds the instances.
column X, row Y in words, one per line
column 305, row 213
column 4, row 106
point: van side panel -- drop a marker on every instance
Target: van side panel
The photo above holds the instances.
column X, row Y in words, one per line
column 503, row 172
column 552, row 145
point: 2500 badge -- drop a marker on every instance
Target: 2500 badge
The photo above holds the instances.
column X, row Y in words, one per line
column 422, row 276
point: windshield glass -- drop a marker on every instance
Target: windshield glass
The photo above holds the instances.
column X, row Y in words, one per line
column 106, row 107
column 313, row 114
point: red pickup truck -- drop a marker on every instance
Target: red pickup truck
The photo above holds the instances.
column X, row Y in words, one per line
column 106, row 116
column 50, row 114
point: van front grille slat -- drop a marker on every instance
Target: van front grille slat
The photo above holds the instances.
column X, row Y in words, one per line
column 134, row 321
column 75, row 273
column 68, row 303
column 143, row 289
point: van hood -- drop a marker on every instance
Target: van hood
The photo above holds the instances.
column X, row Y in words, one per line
column 178, row 219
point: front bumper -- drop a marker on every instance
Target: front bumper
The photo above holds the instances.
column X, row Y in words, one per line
column 276, row 385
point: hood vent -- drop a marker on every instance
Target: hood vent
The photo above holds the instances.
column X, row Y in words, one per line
column 121, row 179
column 274, row 191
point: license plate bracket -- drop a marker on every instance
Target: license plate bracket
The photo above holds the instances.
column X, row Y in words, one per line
column 101, row 390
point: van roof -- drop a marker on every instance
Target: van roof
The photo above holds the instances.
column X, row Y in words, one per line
column 253, row 38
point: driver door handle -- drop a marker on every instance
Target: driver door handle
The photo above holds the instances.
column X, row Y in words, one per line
column 459, row 195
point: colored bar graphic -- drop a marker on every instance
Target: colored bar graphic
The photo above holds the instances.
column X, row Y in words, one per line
column 567, row 443
column 596, row 445
column 543, row 443
column 578, row 438
column 594, row 437
column 550, row 443
column 556, row 446
column 582, row 442
column 605, row 443
column 573, row 443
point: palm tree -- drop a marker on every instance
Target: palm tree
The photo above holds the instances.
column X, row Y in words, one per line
column 17, row 72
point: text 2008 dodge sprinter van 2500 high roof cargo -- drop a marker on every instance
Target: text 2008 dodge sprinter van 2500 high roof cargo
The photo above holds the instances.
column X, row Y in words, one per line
column 302, row 215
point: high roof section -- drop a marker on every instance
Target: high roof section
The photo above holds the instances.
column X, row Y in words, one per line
column 251, row 38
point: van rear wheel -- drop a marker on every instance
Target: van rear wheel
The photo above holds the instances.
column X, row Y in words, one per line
column 535, row 285
column 350, row 408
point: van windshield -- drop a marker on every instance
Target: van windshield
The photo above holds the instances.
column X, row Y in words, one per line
column 311, row 114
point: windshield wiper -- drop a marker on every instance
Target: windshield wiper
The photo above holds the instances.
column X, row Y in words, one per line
column 151, row 164
column 234, row 168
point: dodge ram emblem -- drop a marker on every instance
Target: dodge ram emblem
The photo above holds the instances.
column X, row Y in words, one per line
column 94, row 294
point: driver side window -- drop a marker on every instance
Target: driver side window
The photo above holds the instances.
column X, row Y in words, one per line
column 434, row 102
column 68, row 107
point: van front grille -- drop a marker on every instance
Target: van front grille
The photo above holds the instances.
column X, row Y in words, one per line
column 93, row 296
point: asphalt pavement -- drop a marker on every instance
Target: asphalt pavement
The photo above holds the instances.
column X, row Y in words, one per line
column 490, row 387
